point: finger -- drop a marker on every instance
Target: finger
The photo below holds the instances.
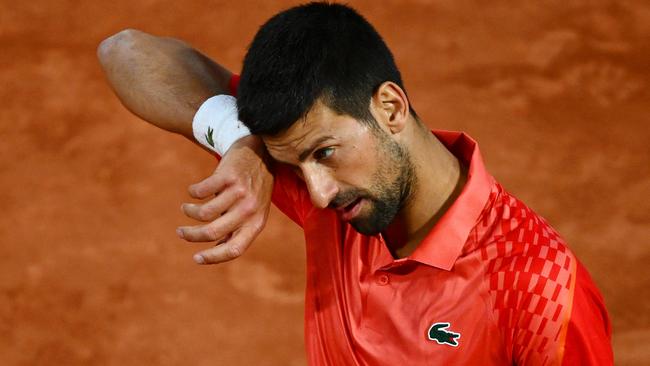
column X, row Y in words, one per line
column 209, row 186
column 228, row 250
column 212, row 209
column 213, row 231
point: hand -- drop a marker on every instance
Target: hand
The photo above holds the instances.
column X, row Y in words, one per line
column 242, row 184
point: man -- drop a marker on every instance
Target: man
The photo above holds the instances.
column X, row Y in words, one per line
column 415, row 254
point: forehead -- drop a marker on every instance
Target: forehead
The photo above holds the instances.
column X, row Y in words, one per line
column 319, row 125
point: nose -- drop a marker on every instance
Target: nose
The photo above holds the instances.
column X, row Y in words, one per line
column 322, row 187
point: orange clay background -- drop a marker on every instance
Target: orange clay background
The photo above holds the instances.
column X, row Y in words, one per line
column 92, row 273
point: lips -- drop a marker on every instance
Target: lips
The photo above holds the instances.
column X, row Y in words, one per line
column 349, row 211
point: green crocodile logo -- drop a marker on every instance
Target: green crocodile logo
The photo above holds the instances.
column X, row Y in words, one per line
column 439, row 333
column 208, row 136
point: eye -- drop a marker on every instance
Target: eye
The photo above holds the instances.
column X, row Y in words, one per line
column 323, row 153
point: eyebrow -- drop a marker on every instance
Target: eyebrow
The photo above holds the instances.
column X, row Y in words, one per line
column 306, row 152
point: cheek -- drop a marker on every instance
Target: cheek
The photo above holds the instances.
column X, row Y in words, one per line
column 358, row 166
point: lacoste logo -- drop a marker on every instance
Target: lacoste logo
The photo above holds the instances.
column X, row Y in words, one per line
column 439, row 333
column 208, row 136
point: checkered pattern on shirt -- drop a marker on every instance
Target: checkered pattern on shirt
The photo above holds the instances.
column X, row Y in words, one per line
column 529, row 271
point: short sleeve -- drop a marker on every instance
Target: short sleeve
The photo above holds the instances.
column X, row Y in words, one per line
column 290, row 194
column 545, row 306
column 588, row 338
column 550, row 312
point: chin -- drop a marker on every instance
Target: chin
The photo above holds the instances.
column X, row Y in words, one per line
column 370, row 227
column 380, row 214
column 364, row 230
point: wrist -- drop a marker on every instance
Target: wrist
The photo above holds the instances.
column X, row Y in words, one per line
column 252, row 142
column 216, row 125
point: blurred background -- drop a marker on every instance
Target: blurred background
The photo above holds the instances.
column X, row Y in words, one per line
column 92, row 273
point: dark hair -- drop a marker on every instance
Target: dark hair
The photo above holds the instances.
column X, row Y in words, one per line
column 317, row 50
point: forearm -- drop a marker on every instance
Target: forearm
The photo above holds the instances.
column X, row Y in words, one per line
column 161, row 80
column 165, row 82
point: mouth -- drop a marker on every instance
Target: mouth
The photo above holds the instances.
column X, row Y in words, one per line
column 351, row 210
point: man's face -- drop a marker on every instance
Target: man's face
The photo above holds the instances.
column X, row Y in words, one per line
column 347, row 165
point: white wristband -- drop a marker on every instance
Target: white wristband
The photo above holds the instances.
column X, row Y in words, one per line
column 216, row 125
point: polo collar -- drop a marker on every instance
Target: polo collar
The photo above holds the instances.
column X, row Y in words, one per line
column 444, row 243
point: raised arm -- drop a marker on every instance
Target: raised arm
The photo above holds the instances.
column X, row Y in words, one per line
column 161, row 80
column 164, row 81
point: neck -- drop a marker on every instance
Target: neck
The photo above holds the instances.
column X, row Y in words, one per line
column 439, row 180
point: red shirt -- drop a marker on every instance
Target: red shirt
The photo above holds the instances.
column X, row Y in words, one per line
column 491, row 284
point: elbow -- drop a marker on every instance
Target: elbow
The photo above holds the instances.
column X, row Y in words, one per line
column 116, row 45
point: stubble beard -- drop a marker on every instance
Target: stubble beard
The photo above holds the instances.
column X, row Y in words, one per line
column 392, row 187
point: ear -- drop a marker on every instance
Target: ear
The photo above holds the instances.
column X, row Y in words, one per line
column 390, row 106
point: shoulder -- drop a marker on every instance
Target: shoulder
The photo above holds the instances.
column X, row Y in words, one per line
column 530, row 275
column 516, row 239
